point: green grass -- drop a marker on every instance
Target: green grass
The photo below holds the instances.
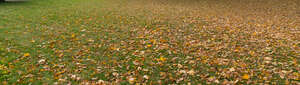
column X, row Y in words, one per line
column 169, row 41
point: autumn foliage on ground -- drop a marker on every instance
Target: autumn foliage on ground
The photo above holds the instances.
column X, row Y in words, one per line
column 191, row 42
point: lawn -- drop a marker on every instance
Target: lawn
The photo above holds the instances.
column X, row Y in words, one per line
column 150, row 42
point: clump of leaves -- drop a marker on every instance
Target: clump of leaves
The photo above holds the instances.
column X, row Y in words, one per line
column 3, row 72
column 3, row 69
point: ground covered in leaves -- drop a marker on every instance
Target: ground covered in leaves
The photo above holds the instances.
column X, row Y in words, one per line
column 150, row 42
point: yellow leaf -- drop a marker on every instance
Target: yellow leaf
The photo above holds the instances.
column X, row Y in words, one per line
column 149, row 46
column 73, row 35
column 153, row 41
column 26, row 55
column 162, row 59
column 245, row 76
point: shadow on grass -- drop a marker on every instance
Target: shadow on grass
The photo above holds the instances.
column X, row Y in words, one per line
column 13, row 3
